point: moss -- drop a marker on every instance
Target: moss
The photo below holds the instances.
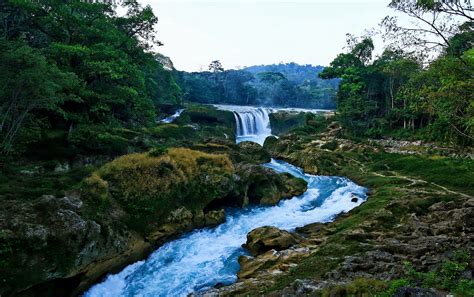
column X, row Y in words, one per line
column 149, row 187
column 283, row 122
column 172, row 131
column 359, row 287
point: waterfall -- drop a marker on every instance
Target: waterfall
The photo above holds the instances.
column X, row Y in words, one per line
column 172, row 117
column 252, row 123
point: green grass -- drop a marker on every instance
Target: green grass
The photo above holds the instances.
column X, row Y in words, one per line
column 393, row 196
column 454, row 173
column 15, row 185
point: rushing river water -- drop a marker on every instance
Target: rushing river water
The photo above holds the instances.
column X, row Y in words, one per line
column 203, row 258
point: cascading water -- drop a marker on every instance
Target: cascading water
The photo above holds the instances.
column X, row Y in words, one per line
column 252, row 123
column 172, row 117
column 203, row 258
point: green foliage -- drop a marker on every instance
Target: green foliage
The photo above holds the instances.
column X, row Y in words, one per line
column 393, row 93
column 31, row 84
column 70, row 64
column 397, row 284
column 150, row 187
column 281, row 85
column 448, row 277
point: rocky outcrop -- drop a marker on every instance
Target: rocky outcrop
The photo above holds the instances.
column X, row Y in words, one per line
column 51, row 244
column 265, row 186
column 405, row 220
column 263, row 239
column 255, row 151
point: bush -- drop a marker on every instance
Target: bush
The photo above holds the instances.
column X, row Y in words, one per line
column 158, row 151
column 95, row 189
column 397, row 284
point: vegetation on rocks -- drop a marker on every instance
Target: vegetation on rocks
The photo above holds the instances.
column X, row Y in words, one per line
column 416, row 212
column 149, row 188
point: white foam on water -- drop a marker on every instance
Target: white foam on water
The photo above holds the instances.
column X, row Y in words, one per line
column 203, row 258
column 172, row 117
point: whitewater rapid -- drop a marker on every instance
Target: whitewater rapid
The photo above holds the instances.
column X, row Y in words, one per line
column 203, row 258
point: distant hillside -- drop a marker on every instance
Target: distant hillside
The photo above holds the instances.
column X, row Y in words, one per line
column 293, row 71
column 287, row 85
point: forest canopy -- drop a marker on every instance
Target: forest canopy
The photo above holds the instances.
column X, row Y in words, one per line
column 70, row 68
column 398, row 93
column 284, row 85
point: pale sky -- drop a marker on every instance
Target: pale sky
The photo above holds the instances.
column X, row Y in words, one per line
column 244, row 32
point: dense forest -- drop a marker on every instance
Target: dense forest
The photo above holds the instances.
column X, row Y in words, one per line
column 403, row 92
column 284, row 85
column 71, row 71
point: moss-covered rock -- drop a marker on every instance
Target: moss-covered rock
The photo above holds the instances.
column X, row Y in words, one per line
column 150, row 188
column 263, row 239
column 254, row 152
column 265, row 186
column 283, row 122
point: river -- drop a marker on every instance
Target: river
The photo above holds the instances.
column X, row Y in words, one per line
column 203, row 258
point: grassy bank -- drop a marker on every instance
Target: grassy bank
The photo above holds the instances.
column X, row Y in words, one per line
column 404, row 191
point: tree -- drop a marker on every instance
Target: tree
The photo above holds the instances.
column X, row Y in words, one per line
column 91, row 67
column 29, row 84
column 434, row 23
column 216, row 66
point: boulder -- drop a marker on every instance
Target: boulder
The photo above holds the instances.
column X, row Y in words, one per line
column 215, row 217
column 263, row 239
column 256, row 151
column 250, row 265
column 263, row 185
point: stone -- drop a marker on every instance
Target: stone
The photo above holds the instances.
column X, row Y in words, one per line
column 249, row 265
column 214, row 217
column 263, row 239
column 254, row 150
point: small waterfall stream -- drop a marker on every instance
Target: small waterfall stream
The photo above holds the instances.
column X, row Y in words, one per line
column 172, row 117
column 203, row 258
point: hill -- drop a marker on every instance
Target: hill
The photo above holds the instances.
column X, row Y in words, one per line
column 284, row 85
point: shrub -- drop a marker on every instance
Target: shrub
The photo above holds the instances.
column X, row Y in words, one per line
column 397, row 284
column 158, row 151
column 95, row 189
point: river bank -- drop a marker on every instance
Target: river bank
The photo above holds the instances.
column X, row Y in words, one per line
column 415, row 224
